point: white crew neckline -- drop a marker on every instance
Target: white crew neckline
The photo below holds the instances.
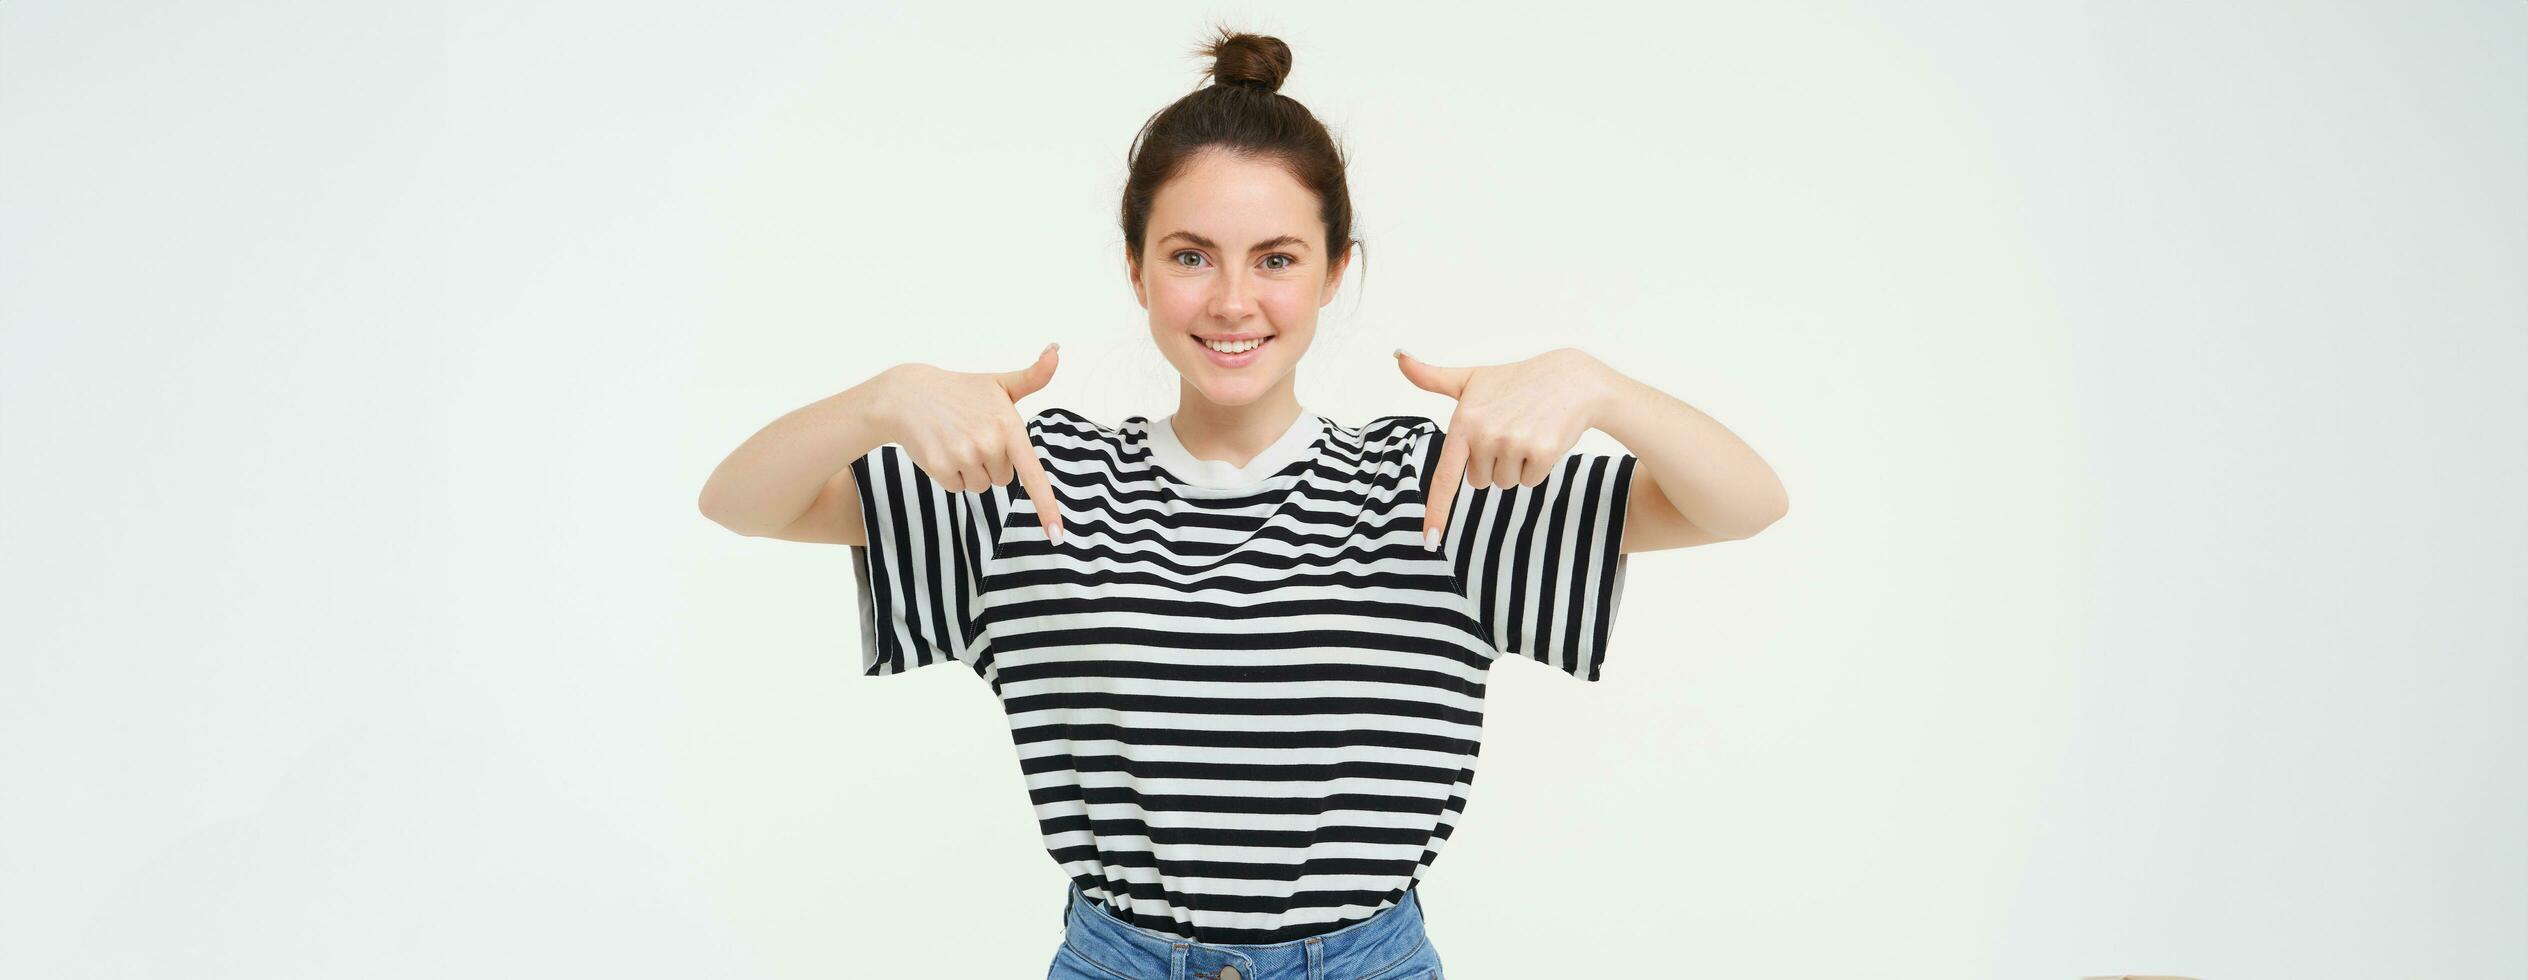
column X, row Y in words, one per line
column 1293, row 445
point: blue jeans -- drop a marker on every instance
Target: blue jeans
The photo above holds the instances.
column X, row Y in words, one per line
column 1096, row 945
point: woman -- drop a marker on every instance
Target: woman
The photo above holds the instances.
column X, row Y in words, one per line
column 1243, row 648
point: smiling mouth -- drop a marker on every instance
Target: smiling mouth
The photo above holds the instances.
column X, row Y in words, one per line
column 1257, row 341
column 1239, row 359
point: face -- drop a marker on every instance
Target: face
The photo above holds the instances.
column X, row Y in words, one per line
column 1235, row 251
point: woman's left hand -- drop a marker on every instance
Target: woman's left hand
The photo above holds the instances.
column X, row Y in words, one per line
column 1514, row 422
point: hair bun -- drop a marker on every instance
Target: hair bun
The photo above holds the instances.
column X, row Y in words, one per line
column 1253, row 60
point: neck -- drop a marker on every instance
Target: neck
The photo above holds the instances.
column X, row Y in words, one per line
column 1233, row 434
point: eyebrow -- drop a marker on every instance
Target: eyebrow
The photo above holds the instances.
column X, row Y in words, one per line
column 1283, row 241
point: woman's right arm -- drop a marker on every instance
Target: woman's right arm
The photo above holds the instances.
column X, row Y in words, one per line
column 792, row 479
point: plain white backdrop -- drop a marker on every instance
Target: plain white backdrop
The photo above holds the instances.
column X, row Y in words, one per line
column 2143, row 375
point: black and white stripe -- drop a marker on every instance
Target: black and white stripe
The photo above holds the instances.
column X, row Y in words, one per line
column 1545, row 570
column 918, row 576
column 1249, row 714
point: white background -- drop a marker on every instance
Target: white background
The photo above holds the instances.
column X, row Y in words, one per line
column 2144, row 376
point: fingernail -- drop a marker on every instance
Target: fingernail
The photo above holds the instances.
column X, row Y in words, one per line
column 1430, row 539
column 1053, row 346
column 1400, row 352
column 1053, row 533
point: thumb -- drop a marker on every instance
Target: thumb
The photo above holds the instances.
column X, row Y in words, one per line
column 1025, row 381
column 1450, row 381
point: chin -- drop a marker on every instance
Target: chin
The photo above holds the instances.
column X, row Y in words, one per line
column 1234, row 393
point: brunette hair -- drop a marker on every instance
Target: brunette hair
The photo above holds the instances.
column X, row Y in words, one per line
column 1240, row 112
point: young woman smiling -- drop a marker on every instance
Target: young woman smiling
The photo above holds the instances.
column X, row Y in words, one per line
column 1243, row 647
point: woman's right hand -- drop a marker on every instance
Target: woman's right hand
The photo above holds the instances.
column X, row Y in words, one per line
column 962, row 428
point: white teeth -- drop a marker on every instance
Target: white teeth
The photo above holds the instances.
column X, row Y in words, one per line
column 1237, row 347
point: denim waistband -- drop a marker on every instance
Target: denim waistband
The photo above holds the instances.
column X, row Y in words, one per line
column 1363, row 948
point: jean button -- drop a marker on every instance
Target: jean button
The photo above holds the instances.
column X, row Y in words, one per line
column 1228, row 973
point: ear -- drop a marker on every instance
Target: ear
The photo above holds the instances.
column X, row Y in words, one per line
column 1132, row 274
column 1334, row 278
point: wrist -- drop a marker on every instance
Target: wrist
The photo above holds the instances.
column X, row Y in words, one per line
column 866, row 405
column 1610, row 392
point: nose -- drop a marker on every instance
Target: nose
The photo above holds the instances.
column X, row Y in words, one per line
column 1234, row 298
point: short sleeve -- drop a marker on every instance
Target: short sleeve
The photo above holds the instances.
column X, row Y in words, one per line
column 918, row 577
column 1543, row 566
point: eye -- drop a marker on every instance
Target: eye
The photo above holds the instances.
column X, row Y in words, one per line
column 1185, row 253
column 1282, row 255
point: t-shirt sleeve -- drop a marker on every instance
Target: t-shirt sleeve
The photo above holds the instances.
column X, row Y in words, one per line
column 919, row 576
column 1543, row 565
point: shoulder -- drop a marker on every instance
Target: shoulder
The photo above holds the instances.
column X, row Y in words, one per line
column 1065, row 422
column 1402, row 448
column 1072, row 442
column 1062, row 416
column 1396, row 447
column 1408, row 431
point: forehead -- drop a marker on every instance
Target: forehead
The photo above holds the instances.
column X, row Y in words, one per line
column 1235, row 200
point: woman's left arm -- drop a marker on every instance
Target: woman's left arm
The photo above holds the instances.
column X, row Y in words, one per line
column 1697, row 482
column 1515, row 423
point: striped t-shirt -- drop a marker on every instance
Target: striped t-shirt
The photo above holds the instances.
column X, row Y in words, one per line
column 1247, row 701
